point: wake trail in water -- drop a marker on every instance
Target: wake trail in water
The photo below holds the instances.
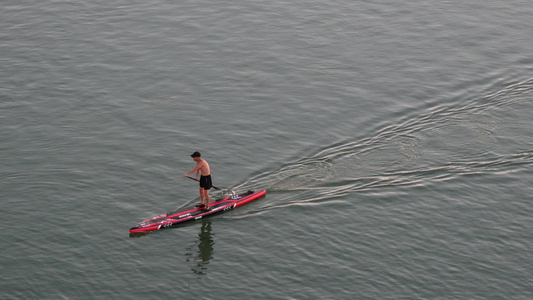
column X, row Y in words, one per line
column 449, row 142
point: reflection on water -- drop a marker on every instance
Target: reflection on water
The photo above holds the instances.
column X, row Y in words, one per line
column 200, row 257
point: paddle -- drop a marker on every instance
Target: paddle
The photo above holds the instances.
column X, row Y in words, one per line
column 197, row 180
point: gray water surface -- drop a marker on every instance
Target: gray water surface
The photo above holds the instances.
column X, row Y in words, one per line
column 394, row 140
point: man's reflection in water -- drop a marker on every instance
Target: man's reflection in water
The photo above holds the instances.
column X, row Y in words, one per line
column 205, row 249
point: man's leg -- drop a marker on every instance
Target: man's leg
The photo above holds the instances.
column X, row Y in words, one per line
column 206, row 194
column 202, row 195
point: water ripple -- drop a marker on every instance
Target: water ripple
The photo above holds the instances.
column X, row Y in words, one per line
column 448, row 143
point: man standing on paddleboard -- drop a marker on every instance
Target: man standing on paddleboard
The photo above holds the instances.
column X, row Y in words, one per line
column 202, row 168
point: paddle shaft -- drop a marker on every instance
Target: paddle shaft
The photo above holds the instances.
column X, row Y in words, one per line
column 197, row 180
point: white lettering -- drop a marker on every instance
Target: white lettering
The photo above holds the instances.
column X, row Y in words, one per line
column 230, row 207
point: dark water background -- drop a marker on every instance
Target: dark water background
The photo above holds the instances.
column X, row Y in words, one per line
column 394, row 140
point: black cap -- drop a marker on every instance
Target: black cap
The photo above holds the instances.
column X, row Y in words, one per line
column 196, row 154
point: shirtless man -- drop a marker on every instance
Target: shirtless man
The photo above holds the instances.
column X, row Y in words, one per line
column 202, row 168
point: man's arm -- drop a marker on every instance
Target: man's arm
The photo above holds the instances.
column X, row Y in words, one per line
column 197, row 169
column 191, row 171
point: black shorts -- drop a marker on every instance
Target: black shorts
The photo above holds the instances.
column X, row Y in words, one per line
column 205, row 182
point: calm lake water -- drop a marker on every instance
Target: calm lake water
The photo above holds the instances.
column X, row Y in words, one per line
column 394, row 140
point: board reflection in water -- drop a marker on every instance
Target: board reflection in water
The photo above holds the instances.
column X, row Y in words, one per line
column 201, row 255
